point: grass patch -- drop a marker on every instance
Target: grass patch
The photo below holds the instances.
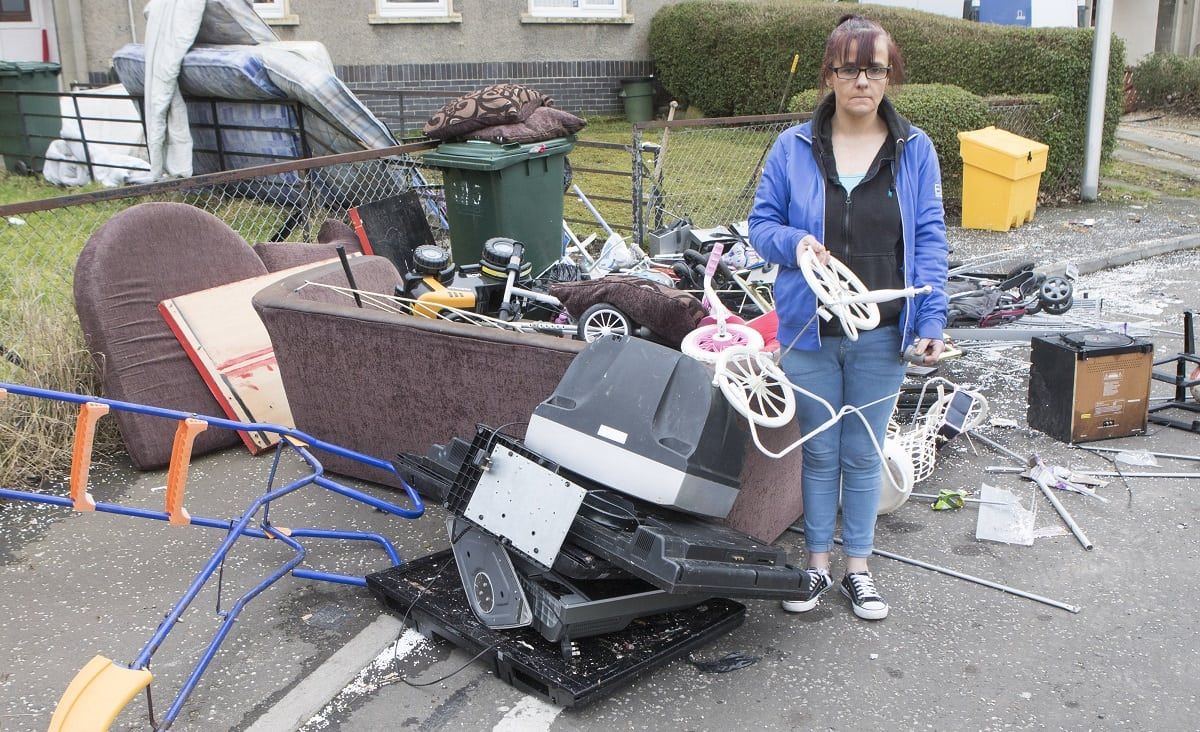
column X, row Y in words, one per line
column 1145, row 182
column 707, row 174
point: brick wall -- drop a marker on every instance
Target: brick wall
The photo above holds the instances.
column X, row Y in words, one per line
column 580, row 87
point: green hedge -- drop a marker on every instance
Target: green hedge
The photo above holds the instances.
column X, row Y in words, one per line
column 1168, row 81
column 731, row 58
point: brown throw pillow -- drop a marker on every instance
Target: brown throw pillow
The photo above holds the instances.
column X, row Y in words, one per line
column 499, row 104
column 668, row 312
column 545, row 123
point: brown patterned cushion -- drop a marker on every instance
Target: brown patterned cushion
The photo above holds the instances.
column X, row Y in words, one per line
column 668, row 312
column 499, row 104
column 544, row 124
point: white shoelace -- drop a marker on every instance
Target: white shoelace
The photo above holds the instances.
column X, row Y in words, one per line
column 864, row 587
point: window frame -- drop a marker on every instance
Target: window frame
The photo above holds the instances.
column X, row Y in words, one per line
column 411, row 9
column 18, row 16
column 616, row 11
column 274, row 9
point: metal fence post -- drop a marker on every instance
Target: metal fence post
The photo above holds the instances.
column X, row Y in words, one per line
column 639, row 223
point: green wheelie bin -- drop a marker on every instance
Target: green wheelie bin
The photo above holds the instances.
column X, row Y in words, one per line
column 28, row 122
column 513, row 190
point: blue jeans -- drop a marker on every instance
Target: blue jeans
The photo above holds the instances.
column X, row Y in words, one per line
column 844, row 372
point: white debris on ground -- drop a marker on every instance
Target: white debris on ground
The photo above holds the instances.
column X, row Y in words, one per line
column 378, row 673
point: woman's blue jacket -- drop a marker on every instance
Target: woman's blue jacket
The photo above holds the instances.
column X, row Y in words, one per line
column 790, row 203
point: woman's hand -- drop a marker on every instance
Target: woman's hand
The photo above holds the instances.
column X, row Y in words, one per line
column 930, row 349
column 810, row 242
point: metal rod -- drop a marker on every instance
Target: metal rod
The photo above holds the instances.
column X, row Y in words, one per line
column 1172, row 455
column 341, row 252
column 1098, row 473
column 1085, row 542
column 998, row 447
column 592, row 210
column 1062, row 511
column 960, row 575
column 968, row 499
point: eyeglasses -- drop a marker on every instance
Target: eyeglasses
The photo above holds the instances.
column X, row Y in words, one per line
column 850, row 73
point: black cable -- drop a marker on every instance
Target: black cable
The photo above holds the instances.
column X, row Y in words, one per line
column 474, row 658
column 428, row 586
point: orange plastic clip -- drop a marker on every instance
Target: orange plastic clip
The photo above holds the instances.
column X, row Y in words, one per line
column 81, row 454
column 177, row 473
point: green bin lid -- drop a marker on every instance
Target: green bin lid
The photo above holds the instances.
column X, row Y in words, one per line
column 28, row 68
column 480, row 155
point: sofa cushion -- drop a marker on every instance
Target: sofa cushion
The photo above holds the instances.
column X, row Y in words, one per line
column 545, row 123
column 139, row 257
column 668, row 312
column 498, row 104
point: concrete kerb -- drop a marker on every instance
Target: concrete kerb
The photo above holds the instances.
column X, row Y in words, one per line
column 318, row 688
column 1145, row 250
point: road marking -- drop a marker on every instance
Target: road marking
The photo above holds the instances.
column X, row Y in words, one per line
column 348, row 667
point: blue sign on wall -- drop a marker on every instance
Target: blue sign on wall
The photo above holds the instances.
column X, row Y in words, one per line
column 1005, row 12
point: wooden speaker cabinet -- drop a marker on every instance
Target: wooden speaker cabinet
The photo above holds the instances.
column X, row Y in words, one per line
column 1089, row 385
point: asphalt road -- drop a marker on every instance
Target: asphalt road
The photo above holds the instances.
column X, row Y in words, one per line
column 952, row 655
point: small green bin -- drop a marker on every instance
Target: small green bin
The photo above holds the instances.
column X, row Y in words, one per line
column 28, row 122
column 638, row 97
column 513, row 190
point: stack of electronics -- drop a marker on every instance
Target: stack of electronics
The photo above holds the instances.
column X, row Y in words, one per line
column 592, row 551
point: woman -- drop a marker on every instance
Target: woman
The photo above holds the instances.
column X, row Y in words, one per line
column 860, row 183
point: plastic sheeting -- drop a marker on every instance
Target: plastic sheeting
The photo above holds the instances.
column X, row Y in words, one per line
column 171, row 28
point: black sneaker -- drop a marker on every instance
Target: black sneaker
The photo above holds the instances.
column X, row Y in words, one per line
column 864, row 598
column 818, row 581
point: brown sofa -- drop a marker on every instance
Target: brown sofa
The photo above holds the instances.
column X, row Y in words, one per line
column 380, row 383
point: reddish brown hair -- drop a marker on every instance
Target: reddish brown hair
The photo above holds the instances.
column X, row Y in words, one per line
column 855, row 30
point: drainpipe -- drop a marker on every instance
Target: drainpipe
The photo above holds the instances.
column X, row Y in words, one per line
column 73, row 53
column 1099, row 91
column 132, row 22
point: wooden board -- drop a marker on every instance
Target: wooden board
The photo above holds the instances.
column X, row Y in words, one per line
column 229, row 346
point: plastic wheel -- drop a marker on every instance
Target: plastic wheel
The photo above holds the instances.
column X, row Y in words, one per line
column 603, row 319
column 896, row 479
column 755, row 387
column 1055, row 295
column 706, row 342
column 834, row 282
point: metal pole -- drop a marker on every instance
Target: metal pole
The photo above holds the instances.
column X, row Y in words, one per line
column 968, row 499
column 1172, row 455
column 998, row 447
column 1066, row 517
column 636, row 190
column 1090, row 188
column 1098, row 473
column 967, row 577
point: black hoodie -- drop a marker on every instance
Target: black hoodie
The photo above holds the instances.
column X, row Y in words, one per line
column 863, row 228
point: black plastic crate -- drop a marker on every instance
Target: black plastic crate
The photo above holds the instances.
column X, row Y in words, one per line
column 428, row 594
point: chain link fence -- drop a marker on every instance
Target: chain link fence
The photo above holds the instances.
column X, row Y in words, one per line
column 41, row 343
column 704, row 171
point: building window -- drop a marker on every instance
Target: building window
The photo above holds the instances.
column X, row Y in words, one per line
column 577, row 8
column 268, row 9
column 413, row 8
column 15, row 11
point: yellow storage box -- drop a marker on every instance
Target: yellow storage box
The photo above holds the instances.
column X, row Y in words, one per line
column 1001, row 175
